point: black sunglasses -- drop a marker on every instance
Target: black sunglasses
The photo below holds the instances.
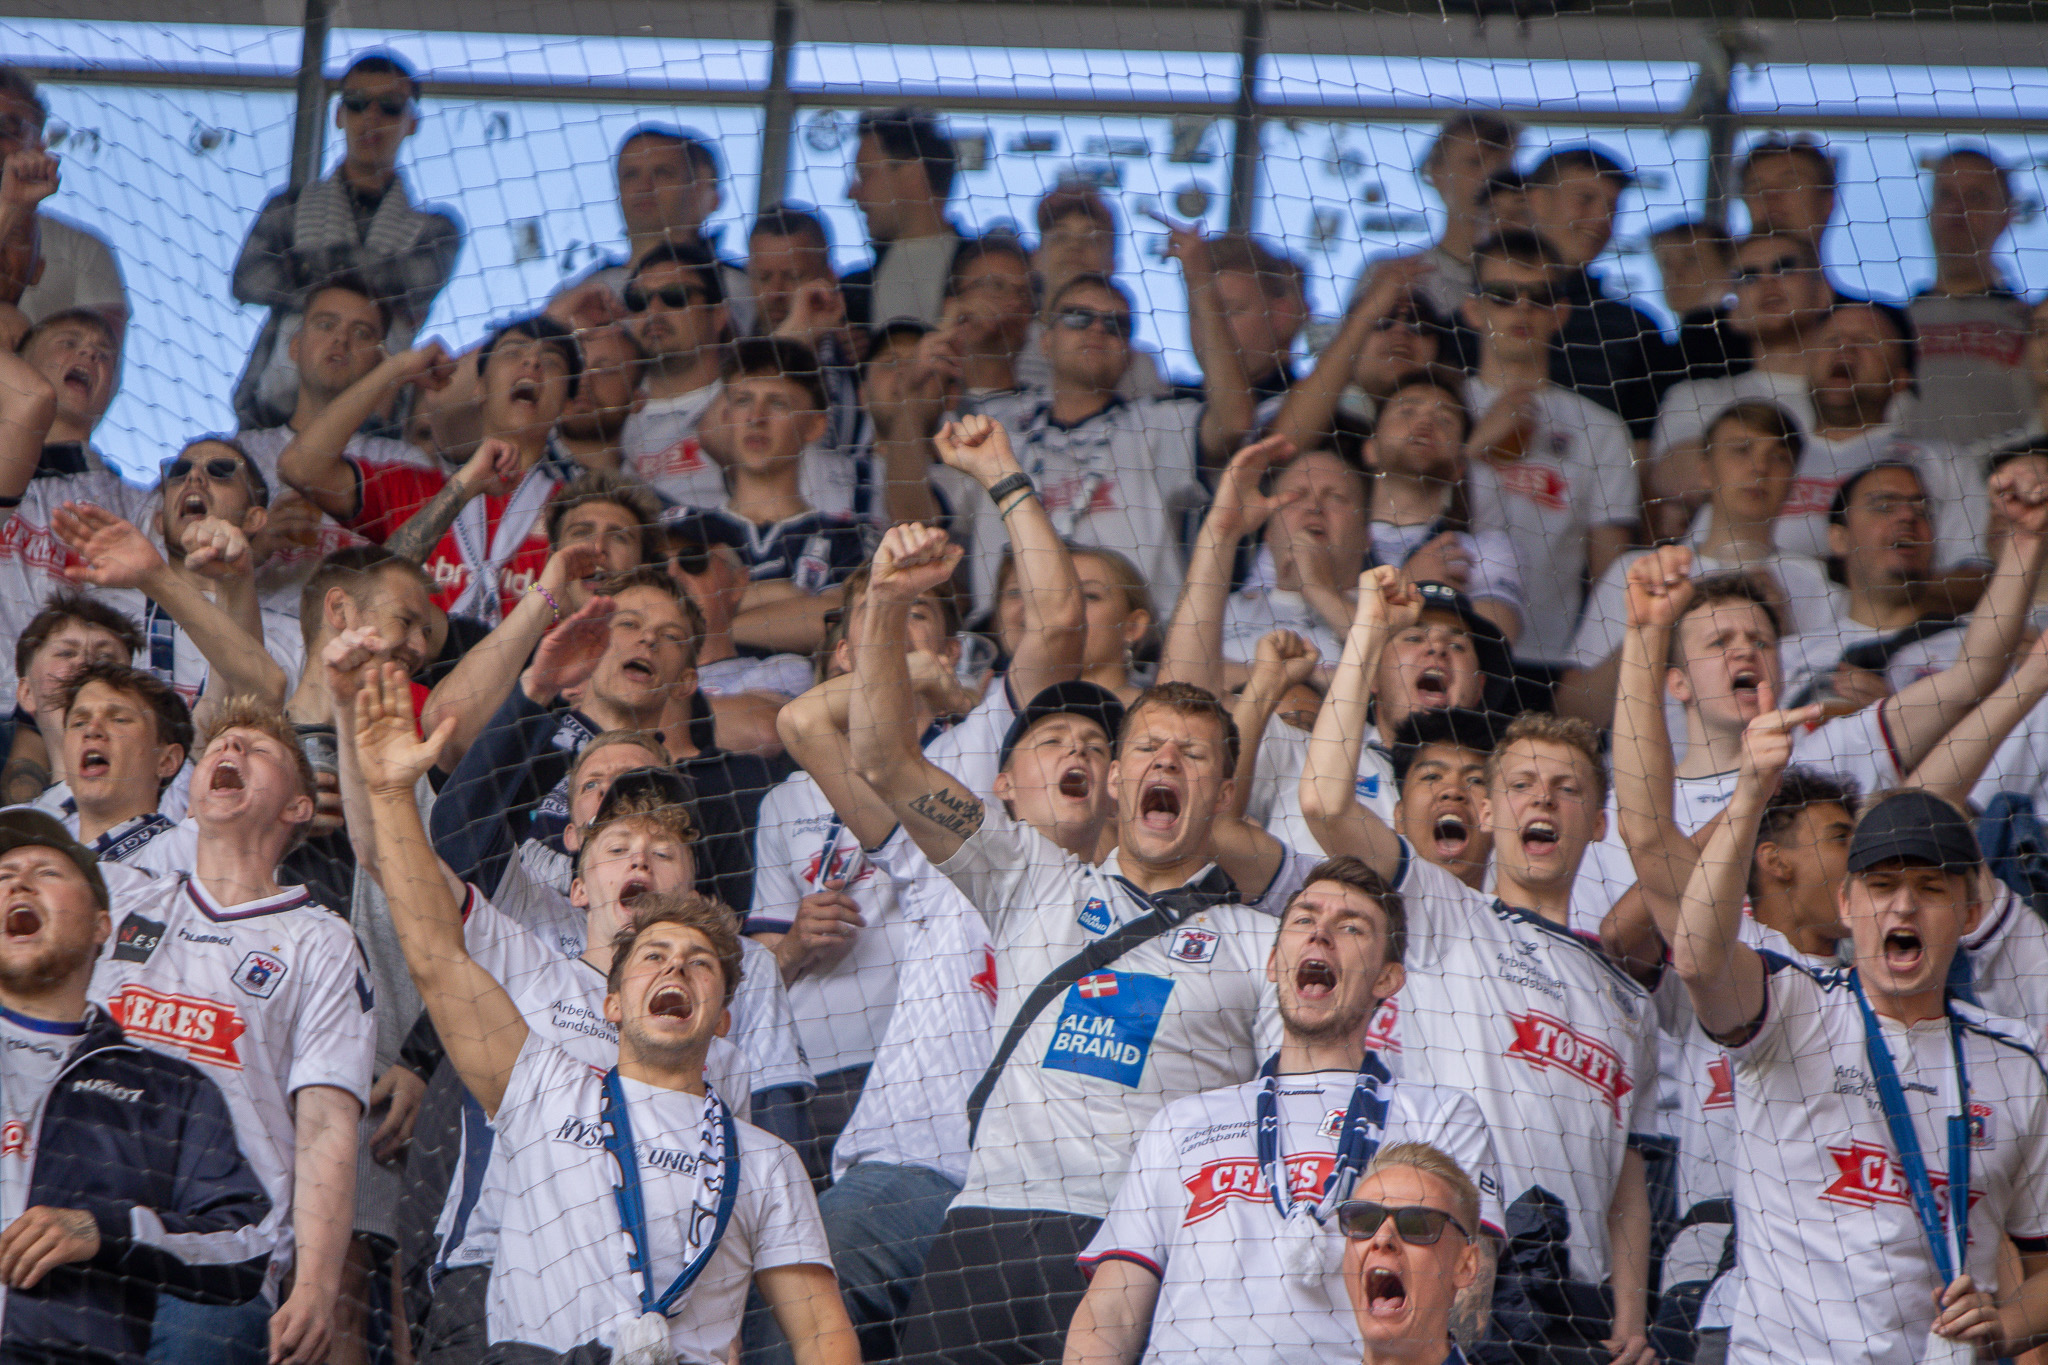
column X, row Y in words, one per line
column 1081, row 319
column 1416, row 1224
column 1508, row 295
column 1784, row 265
column 356, row 101
column 221, row 469
column 692, row 558
column 639, row 299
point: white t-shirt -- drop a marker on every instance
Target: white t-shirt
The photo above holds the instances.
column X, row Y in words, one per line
column 1687, row 411
column 1275, row 802
column 1120, row 480
column 266, row 998
column 79, row 270
column 1186, row 1011
column 660, row 447
column 913, row 1105
column 1956, row 484
column 1835, row 1265
column 32, row 1052
column 1577, row 475
column 1553, row 1040
column 1815, row 603
column 31, row 555
column 786, row 675
column 562, row 1277
column 1197, row 1210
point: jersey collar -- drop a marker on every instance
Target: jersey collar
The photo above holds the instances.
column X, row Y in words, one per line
column 290, row 898
column 73, row 1029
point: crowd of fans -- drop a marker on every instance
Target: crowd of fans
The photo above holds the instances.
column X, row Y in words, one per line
column 753, row 815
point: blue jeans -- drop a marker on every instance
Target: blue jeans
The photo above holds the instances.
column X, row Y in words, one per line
column 210, row 1334
column 880, row 1220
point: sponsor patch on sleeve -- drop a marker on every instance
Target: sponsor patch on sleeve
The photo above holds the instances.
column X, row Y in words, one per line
column 137, row 938
column 1107, row 1024
column 1094, row 917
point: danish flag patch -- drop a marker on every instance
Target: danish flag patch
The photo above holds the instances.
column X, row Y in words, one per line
column 1098, row 985
column 205, row 1030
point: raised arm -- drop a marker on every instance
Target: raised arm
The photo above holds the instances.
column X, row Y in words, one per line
column 27, row 407
column 1928, row 709
column 1387, row 605
column 492, row 469
column 481, row 679
column 480, row 1028
column 1245, row 851
column 1054, row 627
column 936, row 809
column 1306, row 414
column 1723, row 975
column 1229, row 413
column 1193, row 651
column 1659, row 589
column 313, row 463
column 117, row 555
column 1959, row 758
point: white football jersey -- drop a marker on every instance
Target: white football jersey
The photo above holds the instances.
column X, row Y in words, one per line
column 1187, row 1011
column 1553, row 1040
column 1578, row 474
column 534, row 893
column 661, row 449
column 562, row 1277
column 913, row 1105
column 266, row 997
column 1119, row 480
column 1835, row 1265
column 2009, row 962
column 562, row 1001
column 1197, row 1211
column 31, row 555
column 1275, row 802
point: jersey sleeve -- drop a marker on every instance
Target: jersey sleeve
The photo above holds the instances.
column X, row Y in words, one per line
column 1643, row 1071
column 1793, row 1001
column 391, row 493
column 1617, row 492
column 2027, row 1217
column 1605, row 618
column 1437, row 905
column 1496, row 572
column 539, row 1091
column 1174, row 426
column 1148, row 1207
column 763, row 1027
column 1857, row 746
column 785, row 1228
column 777, row 888
column 334, row 1032
column 1006, row 867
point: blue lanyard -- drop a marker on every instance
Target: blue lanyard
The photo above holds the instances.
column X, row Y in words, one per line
column 618, row 1140
column 1948, row 1243
column 1365, row 1119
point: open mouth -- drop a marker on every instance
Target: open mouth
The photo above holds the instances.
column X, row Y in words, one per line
column 1903, row 951
column 1385, row 1295
column 1746, row 680
column 1159, row 807
column 22, row 921
column 80, row 378
column 1315, row 979
column 226, row 777
column 632, row 890
column 1450, row 834
column 525, row 391
column 1433, row 687
column 1540, row 838
column 640, row 670
column 1074, row 784
column 671, row 1002
column 193, row 506
column 94, row 763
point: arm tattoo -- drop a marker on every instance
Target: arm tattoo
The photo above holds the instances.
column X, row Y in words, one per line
column 956, row 813
column 424, row 529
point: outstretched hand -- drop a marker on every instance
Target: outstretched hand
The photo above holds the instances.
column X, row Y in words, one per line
column 115, row 553
column 1240, row 508
column 1767, row 740
column 390, row 754
column 571, row 652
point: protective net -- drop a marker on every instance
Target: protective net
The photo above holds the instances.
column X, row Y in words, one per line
column 1001, row 683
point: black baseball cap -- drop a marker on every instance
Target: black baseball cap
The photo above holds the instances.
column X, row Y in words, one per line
column 25, row 828
column 1915, row 827
column 1083, row 699
column 1488, row 643
column 658, row 786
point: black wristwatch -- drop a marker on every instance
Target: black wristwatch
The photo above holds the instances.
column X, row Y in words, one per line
column 1003, row 487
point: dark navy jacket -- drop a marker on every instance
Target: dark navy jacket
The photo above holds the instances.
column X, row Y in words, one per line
column 144, row 1143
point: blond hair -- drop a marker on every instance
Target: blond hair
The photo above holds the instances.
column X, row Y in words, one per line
column 1566, row 730
column 1440, row 1165
column 248, row 712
